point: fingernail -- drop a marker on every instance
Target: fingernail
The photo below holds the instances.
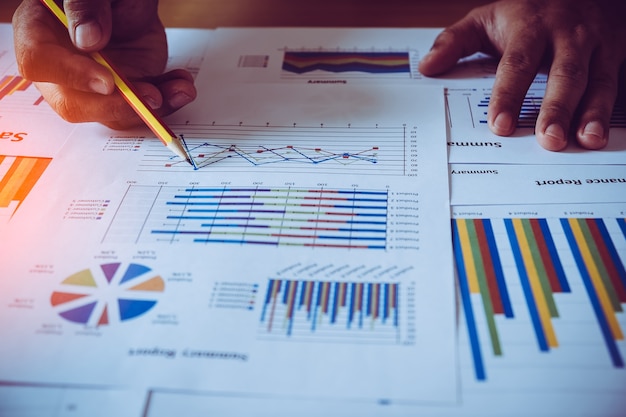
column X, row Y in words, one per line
column 179, row 100
column 151, row 102
column 556, row 133
column 87, row 34
column 503, row 123
column 99, row 86
column 594, row 131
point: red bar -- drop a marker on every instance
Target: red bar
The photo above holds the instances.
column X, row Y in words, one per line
column 555, row 285
column 490, row 275
column 607, row 260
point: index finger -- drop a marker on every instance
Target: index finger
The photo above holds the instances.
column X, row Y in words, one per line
column 516, row 71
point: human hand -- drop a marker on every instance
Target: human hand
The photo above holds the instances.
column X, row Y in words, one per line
column 131, row 35
column 583, row 43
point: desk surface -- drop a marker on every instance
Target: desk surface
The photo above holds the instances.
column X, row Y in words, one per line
column 359, row 13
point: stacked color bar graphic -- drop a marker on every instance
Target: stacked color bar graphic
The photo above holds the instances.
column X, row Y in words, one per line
column 337, row 62
column 12, row 83
column 480, row 272
column 320, row 303
column 21, row 174
column 352, row 219
column 541, row 274
column 603, row 275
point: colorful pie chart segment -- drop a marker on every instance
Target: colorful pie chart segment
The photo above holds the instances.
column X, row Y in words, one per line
column 111, row 292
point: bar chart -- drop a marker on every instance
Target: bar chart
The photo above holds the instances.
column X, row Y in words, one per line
column 551, row 265
column 18, row 94
column 267, row 216
column 469, row 108
column 333, row 312
column 18, row 175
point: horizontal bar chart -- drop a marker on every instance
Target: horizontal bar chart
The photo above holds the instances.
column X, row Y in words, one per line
column 262, row 216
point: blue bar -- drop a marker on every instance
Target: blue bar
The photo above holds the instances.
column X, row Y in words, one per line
column 316, row 305
column 286, row 291
column 479, row 366
column 554, row 255
column 622, row 225
column 351, row 305
column 335, row 306
column 368, row 302
column 497, row 266
column 530, row 300
column 385, row 302
column 616, row 357
column 268, row 298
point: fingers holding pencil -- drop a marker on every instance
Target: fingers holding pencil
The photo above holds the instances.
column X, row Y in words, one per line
column 80, row 89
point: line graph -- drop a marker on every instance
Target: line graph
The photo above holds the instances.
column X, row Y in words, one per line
column 209, row 154
column 321, row 149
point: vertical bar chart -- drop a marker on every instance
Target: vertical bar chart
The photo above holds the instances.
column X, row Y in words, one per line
column 564, row 273
column 18, row 175
column 12, row 84
column 541, row 274
column 480, row 272
column 331, row 311
column 603, row 274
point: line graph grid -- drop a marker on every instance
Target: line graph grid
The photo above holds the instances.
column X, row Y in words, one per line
column 375, row 150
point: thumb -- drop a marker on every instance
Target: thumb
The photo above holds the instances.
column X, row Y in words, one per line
column 89, row 23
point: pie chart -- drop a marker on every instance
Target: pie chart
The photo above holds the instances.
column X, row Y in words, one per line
column 109, row 293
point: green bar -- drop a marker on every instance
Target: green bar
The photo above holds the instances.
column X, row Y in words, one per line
column 541, row 268
column 484, row 288
column 597, row 259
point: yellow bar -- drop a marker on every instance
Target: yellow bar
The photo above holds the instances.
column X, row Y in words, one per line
column 468, row 258
column 596, row 279
column 23, row 168
column 533, row 277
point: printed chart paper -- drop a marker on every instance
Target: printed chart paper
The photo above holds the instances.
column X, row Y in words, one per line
column 293, row 262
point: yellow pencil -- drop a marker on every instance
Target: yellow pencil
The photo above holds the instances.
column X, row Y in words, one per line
column 154, row 122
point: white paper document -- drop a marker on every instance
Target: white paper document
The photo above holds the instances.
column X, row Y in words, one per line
column 308, row 255
column 314, row 56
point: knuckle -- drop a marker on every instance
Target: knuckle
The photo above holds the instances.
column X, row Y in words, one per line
column 518, row 63
column 27, row 63
column 557, row 109
column 571, row 71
